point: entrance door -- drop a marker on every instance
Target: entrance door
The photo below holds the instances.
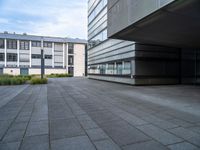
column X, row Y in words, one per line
column 24, row 71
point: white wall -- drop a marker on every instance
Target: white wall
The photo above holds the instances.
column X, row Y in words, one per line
column 79, row 60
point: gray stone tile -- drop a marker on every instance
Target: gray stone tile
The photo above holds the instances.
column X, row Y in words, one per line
column 181, row 123
column 160, row 135
column 101, row 117
column 148, row 145
column 88, row 124
column 9, row 146
column 4, row 127
column 74, row 143
column 35, row 143
column 122, row 133
column 195, row 140
column 106, row 145
column 37, row 128
column 183, row 146
column 65, row 128
column 96, row 134
column 14, row 136
column 183, row 133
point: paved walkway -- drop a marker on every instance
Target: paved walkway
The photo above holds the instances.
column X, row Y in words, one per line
column 82, row 114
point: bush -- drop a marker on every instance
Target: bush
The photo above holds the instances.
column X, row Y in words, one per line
column 13, row 80
column 59, row 75
column 39, row 81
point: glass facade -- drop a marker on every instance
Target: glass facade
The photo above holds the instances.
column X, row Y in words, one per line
column 106, row 56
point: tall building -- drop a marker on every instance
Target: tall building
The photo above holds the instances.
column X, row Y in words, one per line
column 21, row 54
column 161, row 23
column 108, row 59
column 120, row 60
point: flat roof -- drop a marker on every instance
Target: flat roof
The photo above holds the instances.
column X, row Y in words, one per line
column 38, row 38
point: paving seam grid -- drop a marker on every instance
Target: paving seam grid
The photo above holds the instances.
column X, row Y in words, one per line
column 13, row 94
column 35, row 99
column 111, row 137
column 176, row 135
column 48, row 118
column 13, row 120
column 76, row 119
column 137, row 128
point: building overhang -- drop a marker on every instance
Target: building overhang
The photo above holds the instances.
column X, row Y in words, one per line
column 177, row 24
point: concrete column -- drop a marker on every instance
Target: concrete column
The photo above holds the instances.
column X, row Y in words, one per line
column 115, row 68
column 5, row 52
column 53, row 47
column 18, row 53
column 133, row 72
column 63, row 55
column 123, row 67
column 30, row 53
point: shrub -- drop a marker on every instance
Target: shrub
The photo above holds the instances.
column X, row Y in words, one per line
column 59, row 75
column 38, row 81
column 13, row 80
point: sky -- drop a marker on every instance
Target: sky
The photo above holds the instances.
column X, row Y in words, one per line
column 61, row 18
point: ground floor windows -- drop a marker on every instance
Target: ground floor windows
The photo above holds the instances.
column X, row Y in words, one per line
column 24, row 71
column 114, row 68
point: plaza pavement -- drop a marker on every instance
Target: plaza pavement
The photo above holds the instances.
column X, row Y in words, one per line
column 83, row 114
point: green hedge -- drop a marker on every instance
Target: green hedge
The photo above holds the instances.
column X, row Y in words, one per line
column 39, row 81
column 12, row 80
column 59, row 75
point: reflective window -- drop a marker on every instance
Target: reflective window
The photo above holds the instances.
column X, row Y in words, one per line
column 70, row 60
column 48, row 56
column 11, row 57
column 36, row 44
column 97, row 10
column 36, row 56
column 24, row 45
column 70, row 48
column 2, row 56
column 48, row 44
column 12, row 44
column 1, row 43
column 102, row 36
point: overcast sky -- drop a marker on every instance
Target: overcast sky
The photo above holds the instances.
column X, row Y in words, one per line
column 65, row 18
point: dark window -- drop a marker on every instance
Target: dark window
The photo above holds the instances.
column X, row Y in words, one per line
column 70, row 48
column 36, row 56
column 24, row 45
column 36, row 44
column 11, row 57
column 1, row 43
column 48, row 44
column 71, row 70
column 11, row 44
column 70, row 60
column 2, row 56
column 48, row 56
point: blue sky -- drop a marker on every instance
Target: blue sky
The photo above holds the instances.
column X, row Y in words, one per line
column 65, row 18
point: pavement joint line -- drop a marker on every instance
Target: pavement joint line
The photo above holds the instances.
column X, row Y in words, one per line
column 66, row 103
column 35, row 99
column 13, row 120
column 14, row 95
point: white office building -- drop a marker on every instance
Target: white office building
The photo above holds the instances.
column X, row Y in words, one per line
column 21, row 54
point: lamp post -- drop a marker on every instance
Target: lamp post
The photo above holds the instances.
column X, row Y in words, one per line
column 42, row 58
